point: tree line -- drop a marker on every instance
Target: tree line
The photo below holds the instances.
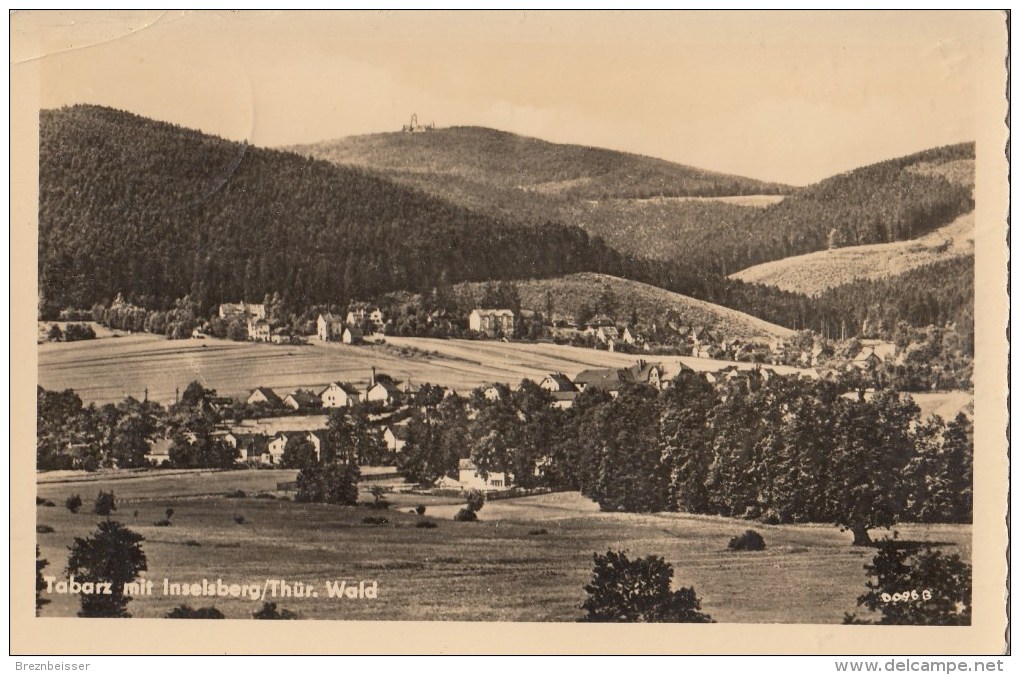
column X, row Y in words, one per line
column 779, row 449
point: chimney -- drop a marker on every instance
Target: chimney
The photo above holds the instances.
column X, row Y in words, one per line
column 371, row 383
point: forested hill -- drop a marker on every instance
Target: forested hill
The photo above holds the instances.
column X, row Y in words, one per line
column 502, row 160
column 155, row 211
column 890, row 201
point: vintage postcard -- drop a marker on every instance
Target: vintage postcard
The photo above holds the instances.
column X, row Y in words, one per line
column 494, row 331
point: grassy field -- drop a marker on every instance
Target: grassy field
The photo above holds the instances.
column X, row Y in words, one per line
column 495, row 569
column 109, row 370
column 813, row 273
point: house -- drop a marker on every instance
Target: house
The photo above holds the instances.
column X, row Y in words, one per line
column 265, row 396
column 329, row 327
column 159, row 451
column 469, row 478
column 607, row 334
column 339, row 395
column 353, row 335
column 563, row 399
column 383, row 391
column 614, row 379
column 632, row 337
column 253, row 448
column 395, row 437
column 491, row 322
column 302, row 399
column 316, row 438
column 492, row 392
column 280, row 336
column 557, row 382
column 278, row 443
column 258, row 330
column 607, row 379
column 375, row 315
column 356, row 316
column 647, row 373
column 866, row 359
column 242, row 310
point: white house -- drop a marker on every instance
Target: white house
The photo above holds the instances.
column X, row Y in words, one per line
column 491, row 321
column 277, row 444
column 395, row 437
column 265, row 396
column 339, row 395
column 242, row 310
column 383, row 391
column 557, row 382
column 469, row 478
column 302, row 399
column 353, row 335
column 329, row 327
column 258, row 330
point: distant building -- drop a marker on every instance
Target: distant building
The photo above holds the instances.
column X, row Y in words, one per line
column 242, row 310
column 383, row 391
column 395, row 437
column 258, row 330
column 353, row 335
column 266, row 396
column 469, row 478
column 302, row 399
column 557, row 382
column 339, row 395
column 491, row 322
column 329, row 327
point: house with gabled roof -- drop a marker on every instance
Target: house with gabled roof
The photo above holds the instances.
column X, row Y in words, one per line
column 339, row 395
column 329, row 327
column 469, row 477
column 557, row 382
column 491, row 322
column 384, row 391
column 353, row 335
column 302, row 399
column 265, row 396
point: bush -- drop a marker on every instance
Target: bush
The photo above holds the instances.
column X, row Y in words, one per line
column 420, row 509
column 169, row 512
column 265, row 495
column 466, row 515
column 163, row 523
column 748, row 541
column 475, row 500
column 73, row 503
column 916, row 585
column 186, row 612
column 236, row 494
column 427, row 524
column 239, row 518
column 44, row 529
column 374, row 520
column 538, row 531
column 105, row 503
column 624, row 590
column 39, row 501
column 269, row 611
column 191, row 542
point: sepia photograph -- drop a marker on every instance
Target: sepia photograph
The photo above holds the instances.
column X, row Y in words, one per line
column 488, row 329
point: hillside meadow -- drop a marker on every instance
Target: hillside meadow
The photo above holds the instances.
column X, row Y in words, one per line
column 527, row 559
column 813, row 273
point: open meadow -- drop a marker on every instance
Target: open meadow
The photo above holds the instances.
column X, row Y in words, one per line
column 527, row 559
column 108, row 370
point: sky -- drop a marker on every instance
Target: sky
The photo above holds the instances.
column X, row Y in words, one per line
column 784, row 96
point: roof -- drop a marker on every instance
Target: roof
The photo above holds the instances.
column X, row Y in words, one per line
column 563, row 395
column 466, row 464
column 641, row 372
column 347, row 387
column 399, row 431
column 304, row 397
column 494, row 312
column 390, row 387
column 329, row 317
column 354, row 331
column 562, row 381
column 268, row 393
